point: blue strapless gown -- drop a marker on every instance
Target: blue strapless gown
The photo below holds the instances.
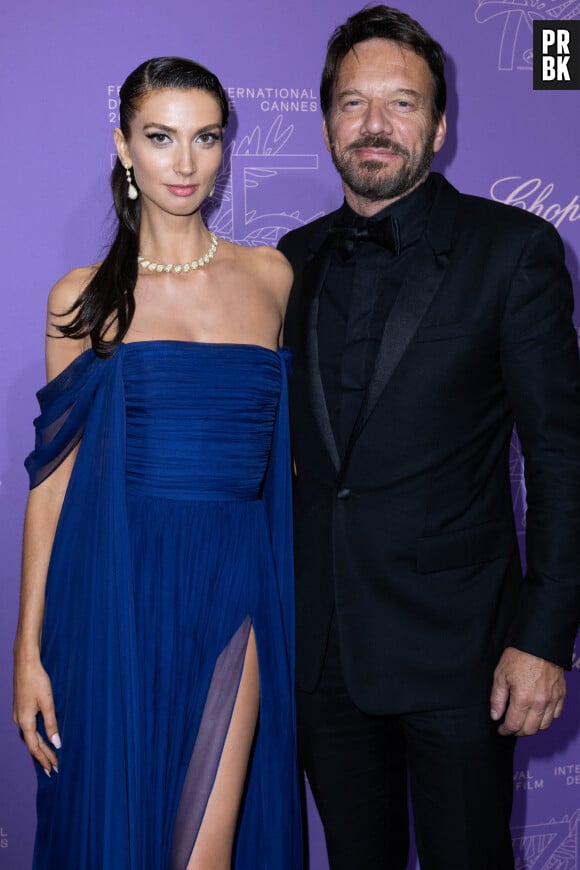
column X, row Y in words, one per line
column 174, row 541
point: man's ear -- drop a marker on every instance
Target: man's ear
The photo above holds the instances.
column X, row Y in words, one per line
column 440, row 133
column 325, row 134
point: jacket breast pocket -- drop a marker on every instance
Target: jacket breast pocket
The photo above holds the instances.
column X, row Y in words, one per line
column 480, row 329
column 465, row 547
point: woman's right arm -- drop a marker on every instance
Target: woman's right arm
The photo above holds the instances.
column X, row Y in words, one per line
column 32, row 688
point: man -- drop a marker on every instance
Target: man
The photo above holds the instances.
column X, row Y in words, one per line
column 423, row 323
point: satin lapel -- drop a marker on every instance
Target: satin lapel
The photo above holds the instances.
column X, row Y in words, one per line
column 413, row 300
column 314, row 275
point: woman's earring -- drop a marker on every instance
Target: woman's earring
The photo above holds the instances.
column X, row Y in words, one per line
column 212, row 191
column 132, row 191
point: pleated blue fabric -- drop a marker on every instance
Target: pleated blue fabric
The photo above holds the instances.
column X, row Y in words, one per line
column 174, row 542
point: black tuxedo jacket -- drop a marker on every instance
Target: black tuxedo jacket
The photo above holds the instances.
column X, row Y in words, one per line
column 411, row 536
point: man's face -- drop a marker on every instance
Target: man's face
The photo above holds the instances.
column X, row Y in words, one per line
column 380, row 129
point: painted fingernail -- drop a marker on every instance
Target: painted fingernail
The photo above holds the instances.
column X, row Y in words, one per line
column 55, row 740
column 47, row 771
column 55, row 768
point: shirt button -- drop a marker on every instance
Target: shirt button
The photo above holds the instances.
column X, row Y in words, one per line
column 343, row 493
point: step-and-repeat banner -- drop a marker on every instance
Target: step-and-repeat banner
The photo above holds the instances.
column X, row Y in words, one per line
column 62, row 64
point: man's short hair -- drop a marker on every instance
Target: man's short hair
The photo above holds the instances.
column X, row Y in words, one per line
column 384, row 22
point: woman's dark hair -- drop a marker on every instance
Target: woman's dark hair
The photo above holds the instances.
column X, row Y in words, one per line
column 383, row 22
column 108, row 300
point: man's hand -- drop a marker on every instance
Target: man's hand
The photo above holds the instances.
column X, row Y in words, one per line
column 534, row 688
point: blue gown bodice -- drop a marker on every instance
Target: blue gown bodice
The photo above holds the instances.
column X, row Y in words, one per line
column 199, row 432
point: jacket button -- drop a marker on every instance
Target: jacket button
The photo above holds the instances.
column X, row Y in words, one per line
column 343, row 493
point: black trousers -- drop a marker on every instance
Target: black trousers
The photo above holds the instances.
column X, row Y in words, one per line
column 459, row 771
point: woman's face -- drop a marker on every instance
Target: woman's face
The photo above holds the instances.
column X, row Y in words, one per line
column 175, row 149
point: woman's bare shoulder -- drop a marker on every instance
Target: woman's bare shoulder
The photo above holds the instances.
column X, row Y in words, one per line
column 65, row 293
column 267, row 265
column 61, row 310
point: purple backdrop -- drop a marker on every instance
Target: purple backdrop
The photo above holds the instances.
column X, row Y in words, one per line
column 61, row 66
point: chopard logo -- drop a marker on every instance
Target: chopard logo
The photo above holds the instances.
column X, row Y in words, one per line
column 534, row 195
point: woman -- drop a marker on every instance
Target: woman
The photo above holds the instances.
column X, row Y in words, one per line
column 156, row 603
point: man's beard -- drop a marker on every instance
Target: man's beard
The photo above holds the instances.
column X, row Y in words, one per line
column 367, row 178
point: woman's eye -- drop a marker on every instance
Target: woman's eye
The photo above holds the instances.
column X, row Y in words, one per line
column 209, row 138
column 158, row 138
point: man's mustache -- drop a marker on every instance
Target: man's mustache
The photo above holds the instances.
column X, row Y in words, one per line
column 378, row 142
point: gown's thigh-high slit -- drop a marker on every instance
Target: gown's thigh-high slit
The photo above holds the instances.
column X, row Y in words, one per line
column 213, row 785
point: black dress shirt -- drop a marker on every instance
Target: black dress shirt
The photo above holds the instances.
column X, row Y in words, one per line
column 355, row 303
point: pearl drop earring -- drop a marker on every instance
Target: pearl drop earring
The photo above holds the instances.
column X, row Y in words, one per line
column 132, row 191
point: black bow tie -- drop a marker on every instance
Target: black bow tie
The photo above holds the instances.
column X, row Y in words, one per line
column 384, row 233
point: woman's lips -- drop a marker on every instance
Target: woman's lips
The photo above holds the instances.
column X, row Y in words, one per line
column 182, row 189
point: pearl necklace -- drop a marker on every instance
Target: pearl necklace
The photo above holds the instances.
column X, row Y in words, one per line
column 181, row 267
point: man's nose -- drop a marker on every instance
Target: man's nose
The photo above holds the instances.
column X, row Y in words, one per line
column 377, row 118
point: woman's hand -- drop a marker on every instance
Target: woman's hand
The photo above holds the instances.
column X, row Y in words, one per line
column 33, row 695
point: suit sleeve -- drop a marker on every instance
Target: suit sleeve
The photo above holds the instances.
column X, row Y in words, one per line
column 542, row 373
